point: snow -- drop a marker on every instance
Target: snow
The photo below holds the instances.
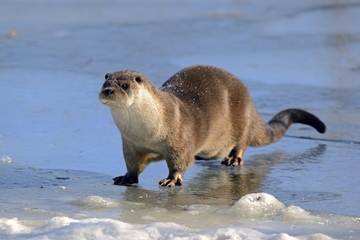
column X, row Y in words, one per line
column 257, row 207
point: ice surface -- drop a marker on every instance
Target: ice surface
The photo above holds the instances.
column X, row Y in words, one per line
column 182, row 213
column 60, row 147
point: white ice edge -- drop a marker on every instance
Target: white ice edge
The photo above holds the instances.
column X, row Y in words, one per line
column 256, row 206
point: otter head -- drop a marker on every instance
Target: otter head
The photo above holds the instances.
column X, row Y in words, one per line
column 120, row 88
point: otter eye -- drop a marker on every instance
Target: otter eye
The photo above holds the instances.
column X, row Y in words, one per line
column 124, row 86
column 138, row 79
column 107, row 76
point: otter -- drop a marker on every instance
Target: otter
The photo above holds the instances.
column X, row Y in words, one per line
column 201, row 112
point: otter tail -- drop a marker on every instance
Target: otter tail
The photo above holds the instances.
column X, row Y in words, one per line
column 277, row 126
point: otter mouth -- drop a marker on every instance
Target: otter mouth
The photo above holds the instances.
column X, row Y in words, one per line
column 106, row 101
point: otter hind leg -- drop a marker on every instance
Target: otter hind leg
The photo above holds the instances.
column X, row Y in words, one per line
column 234, row 158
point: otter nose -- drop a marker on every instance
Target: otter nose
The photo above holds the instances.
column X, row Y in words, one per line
column 108, row 91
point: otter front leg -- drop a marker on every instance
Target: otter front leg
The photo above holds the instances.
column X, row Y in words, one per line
column 135, row 164
column 177, row 168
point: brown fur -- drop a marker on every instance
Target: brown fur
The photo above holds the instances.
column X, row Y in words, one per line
column 201, row 111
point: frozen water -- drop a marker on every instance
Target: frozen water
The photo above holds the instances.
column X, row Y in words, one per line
column 60, row 149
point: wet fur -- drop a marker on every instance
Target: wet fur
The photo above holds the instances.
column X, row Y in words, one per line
column 201, row 111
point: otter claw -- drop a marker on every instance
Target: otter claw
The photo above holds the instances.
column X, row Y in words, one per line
column 232, row 161
column 170, row 182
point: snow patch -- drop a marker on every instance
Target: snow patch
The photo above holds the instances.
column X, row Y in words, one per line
column 6, row 159
column 257, row 205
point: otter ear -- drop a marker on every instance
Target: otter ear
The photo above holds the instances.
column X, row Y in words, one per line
column 138, row 79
